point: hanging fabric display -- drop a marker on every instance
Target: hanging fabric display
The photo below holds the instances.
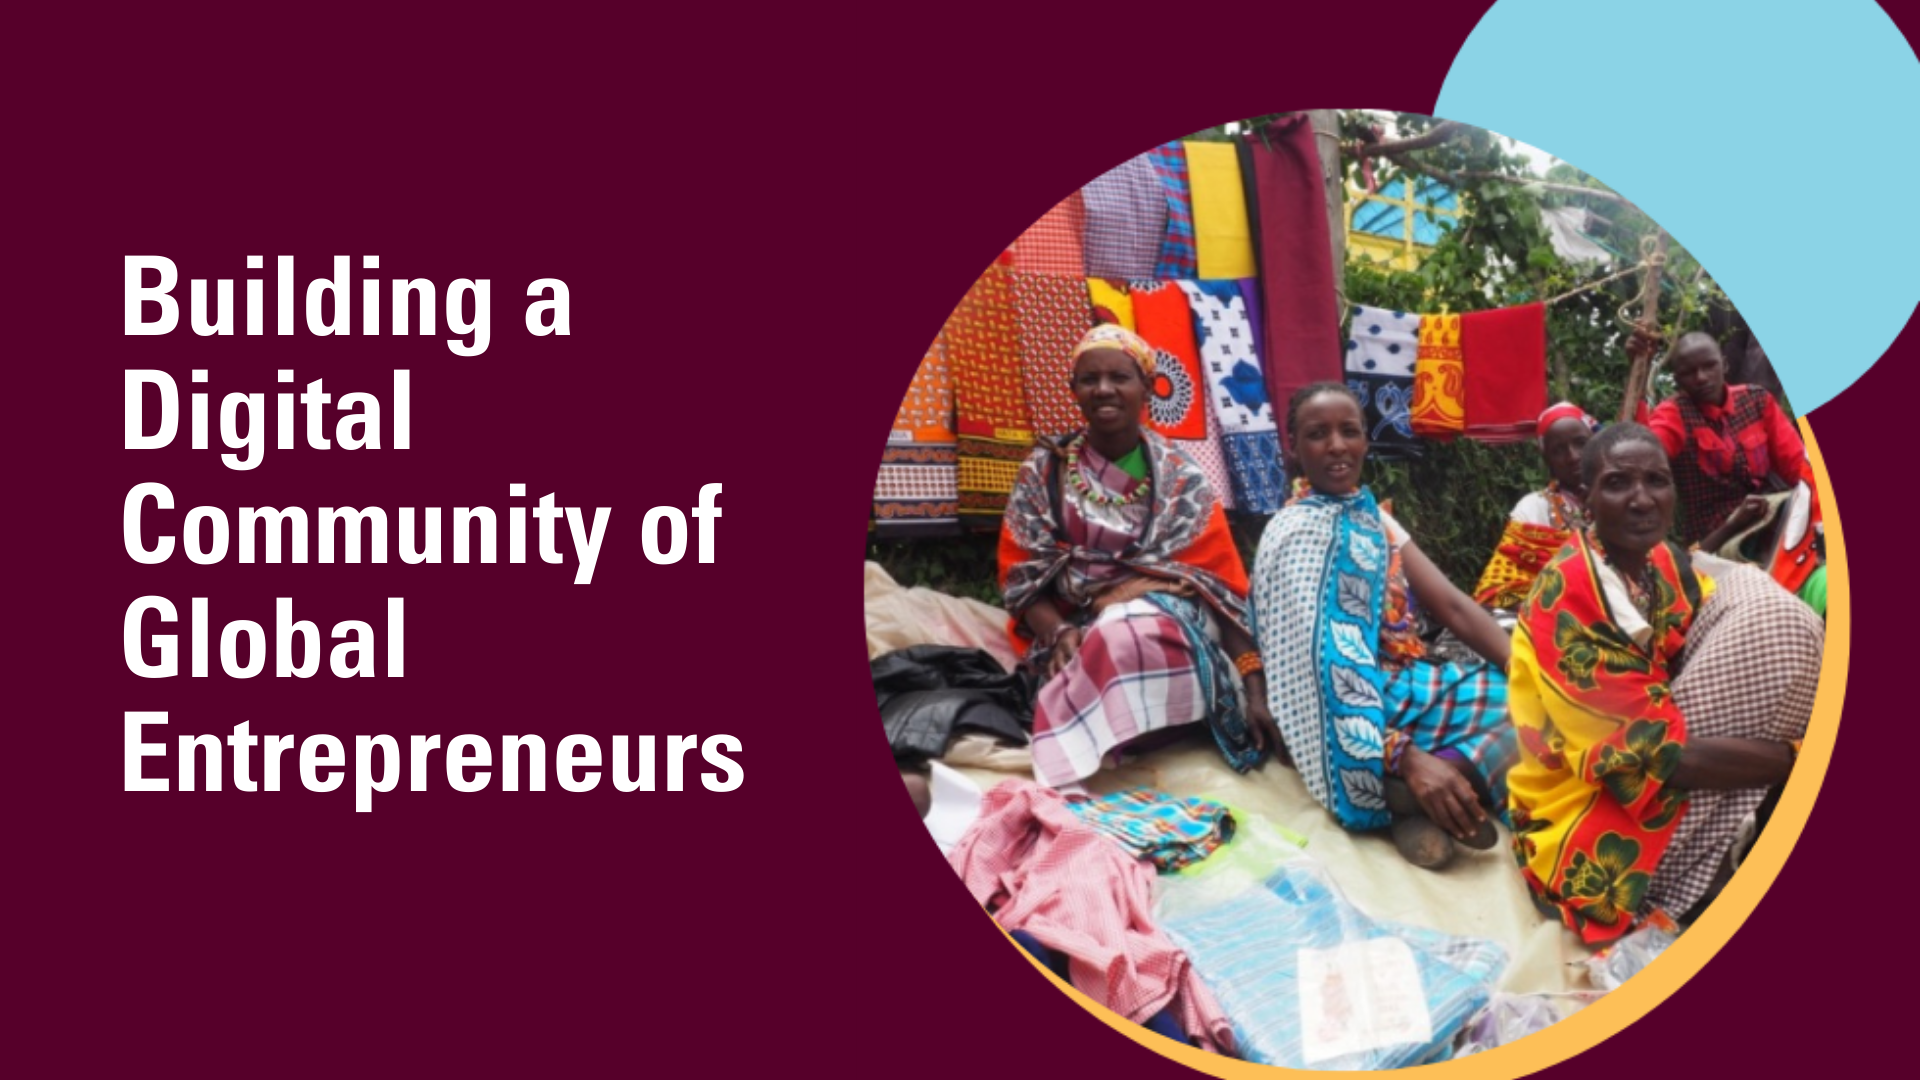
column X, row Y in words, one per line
column 1237, row 393
column 1382, row 347
column 1056, row 243
column 1505, row 353
column 1243, row 156
column 1439, row 380
column 993, row 428
column 1110, row 301
column 1178, row 259
column 1221, row 238
column 916, row 494
column 1175, row 404
column 1053, row 314
column 1176, row 395
column 1296, row 265
column 1126, row 221
column 1218, row 254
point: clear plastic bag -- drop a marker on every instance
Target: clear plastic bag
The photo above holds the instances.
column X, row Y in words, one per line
column 1308, row 980
column 1624, row 959
column 1515, row 1016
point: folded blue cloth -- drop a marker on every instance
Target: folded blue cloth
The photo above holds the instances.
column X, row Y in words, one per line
column 1309, row 981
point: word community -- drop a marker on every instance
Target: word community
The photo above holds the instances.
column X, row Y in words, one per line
column 352, row 534
column 204, row 761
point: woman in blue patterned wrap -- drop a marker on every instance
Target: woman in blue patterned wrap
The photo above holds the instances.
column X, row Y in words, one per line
column 1383, row 736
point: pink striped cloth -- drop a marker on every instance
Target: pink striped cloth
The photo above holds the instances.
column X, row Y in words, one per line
column 1035, row 866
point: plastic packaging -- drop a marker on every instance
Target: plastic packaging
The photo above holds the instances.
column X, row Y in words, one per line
column 1310, row 981
column 1515, row 1016
column 1622, row 960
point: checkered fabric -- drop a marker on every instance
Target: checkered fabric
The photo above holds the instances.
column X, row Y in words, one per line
column 1178, row 256
column 1749, row 671
column 1126, row 221
column 1055, row 243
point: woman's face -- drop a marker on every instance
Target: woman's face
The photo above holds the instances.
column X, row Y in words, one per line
column 1110, row 390
column 1561, row 446
column 1701, row 374
column 1632, row 498
column 1330, row 441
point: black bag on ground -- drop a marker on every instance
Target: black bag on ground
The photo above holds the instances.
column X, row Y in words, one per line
column 929, row 693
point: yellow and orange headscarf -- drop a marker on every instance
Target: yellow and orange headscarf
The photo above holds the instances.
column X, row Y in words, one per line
column 1119, row 339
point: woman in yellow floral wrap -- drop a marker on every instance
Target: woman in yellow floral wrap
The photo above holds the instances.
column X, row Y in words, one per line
column 1657, row 697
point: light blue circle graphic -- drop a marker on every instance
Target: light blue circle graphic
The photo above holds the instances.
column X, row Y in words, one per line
column 1767, row 137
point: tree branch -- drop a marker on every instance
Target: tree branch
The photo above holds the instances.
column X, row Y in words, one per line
column 1460, row 179
column 1441, row 132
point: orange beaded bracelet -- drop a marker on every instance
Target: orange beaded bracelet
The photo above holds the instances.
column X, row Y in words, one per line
column 1248, row 662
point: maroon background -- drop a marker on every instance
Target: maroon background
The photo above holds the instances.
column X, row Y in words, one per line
column 763, row 219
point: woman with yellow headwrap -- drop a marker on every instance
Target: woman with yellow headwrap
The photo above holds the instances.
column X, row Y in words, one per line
column 1124, row 584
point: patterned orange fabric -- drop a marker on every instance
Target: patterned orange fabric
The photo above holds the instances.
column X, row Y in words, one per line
column 1177, row 394
column 994, row 427
column 1439, row 379
column 914, row 494
column 1053, row 314
column 926, row 413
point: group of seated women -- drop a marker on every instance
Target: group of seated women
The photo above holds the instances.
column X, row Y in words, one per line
column 1641, row 710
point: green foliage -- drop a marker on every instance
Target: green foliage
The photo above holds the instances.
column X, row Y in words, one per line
column 1455, row 498
column 966, row 565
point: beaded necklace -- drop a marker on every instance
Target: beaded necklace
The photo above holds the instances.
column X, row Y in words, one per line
column 1085, row 489
column 1568, row 512
column 1639, row 586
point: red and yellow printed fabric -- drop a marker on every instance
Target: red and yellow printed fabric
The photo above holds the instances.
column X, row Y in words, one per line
column 1599, row 733
column 1053, row 314
column 1439, row 379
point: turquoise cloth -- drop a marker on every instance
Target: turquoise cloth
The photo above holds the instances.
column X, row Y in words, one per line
column 1171, row 831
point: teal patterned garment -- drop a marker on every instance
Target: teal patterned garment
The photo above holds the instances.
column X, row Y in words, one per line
column 1171, row 831
column 1319, row 590
column 1319, row 583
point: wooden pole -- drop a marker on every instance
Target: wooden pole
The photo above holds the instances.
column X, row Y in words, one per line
column 1638, row 375
column 1326, row 140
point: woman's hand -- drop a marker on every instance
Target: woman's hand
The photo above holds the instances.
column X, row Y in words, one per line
column 1066, row 645
column 1751, row 509
column 1260, row 723
column 1444, row 794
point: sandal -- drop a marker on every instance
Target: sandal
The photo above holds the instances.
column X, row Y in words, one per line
column 1483, row 838
column 1421, row 842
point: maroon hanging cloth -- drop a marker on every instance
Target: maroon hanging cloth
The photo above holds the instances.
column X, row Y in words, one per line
column 1505, row 353
column 1296, row 261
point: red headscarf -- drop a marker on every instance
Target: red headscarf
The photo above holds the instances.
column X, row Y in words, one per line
column 1565, row 410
